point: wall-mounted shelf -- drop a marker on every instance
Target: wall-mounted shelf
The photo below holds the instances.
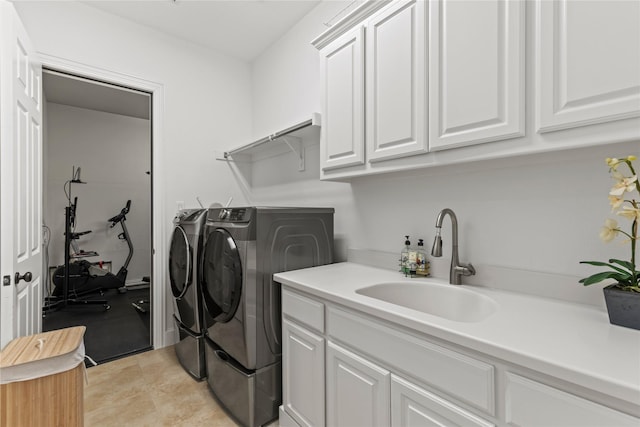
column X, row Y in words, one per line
column 291, row 138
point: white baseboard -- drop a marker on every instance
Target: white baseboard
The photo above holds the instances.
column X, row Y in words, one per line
column 170, row 338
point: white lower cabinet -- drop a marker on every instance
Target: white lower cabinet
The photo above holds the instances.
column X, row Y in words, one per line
column 302, row 375
column 357, row 390
column 530, row 403
column 413, row 406
column 361, row 393
column 345, row 368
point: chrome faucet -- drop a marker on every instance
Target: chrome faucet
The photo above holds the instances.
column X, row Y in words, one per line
column 457, row 270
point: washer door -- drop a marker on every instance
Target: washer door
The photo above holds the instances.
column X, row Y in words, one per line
column 221, row 275
column 179, row 263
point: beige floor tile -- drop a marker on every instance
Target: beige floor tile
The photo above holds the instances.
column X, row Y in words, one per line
column 120, row 412
column 105, row 371
column 150, row 389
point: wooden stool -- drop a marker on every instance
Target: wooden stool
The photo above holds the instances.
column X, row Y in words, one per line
column 47, row 386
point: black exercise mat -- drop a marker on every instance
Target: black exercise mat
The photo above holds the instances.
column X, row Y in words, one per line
column 113, row 333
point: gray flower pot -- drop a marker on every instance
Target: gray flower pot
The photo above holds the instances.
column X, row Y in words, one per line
column 623, row 307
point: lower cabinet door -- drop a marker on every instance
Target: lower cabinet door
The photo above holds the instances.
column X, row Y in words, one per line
column 413, row 406
column 302, row 375
column 357, row 390
column 530, row 403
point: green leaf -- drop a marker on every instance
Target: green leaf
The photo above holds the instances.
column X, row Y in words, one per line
column 599, row 277
column 604, row 264
column 625, row 264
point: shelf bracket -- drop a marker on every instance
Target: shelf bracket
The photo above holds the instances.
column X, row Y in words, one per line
column 295, row 144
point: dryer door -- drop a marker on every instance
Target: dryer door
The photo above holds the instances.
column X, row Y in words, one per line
column 221, row 275
column 179, row 263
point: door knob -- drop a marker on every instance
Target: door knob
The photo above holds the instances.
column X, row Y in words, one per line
column 26, row 277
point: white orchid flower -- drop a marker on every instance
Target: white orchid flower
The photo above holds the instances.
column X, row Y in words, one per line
column 609, row 231
column 612, row 162
column 624, row 183
column 630, row 213
column 615, row 202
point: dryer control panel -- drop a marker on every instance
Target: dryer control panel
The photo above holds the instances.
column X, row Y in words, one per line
column 234, row 214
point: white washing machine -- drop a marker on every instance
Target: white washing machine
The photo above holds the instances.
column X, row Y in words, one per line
column 243, row 248
column 184, row 261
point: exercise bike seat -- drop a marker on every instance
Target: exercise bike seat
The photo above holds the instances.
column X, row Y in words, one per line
column 116, row 219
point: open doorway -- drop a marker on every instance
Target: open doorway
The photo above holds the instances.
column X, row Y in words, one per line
column 97, row 164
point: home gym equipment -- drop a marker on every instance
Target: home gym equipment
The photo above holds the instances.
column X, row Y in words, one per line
column 86, row 277
column 62, row 298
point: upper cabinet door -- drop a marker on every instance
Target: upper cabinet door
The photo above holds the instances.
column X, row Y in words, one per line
column 476, row 72
column 396, row 83
column 587, row 62
column 342, row 74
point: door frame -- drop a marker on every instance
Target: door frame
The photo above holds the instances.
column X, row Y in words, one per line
column 161, row 332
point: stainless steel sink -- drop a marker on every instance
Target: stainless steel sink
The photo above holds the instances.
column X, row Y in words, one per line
column 446, row 301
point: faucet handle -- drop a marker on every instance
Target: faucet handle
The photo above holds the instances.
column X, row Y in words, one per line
column 466, row 269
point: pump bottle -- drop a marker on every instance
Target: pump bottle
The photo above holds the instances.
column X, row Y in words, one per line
column 405, row 254
column 422, row 268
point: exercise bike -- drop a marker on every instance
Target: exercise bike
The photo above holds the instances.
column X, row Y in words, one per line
column 85, row 277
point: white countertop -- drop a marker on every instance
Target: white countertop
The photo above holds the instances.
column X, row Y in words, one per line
column 572, row 342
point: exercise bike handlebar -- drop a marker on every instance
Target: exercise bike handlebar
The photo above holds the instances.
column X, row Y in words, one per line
column 121, row 216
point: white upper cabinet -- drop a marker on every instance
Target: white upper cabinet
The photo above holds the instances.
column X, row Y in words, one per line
column 476, row 72
column 587, row 62
column 409, row 84
column 342, row 74
column 395, row 82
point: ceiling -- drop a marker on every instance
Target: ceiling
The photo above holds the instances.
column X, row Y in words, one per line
column 64, row 89
column 240, row 28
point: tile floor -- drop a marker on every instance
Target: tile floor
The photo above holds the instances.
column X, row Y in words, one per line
column 150, row 389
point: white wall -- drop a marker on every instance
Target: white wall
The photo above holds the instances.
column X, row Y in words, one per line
column 286, row 90
column 114, row 152
column 534, row 217
column 206, row 105
column 525, row 223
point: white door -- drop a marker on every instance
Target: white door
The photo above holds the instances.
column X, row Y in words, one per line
column 20, row 180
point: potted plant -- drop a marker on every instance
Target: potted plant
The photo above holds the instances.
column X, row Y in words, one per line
column 623, row 296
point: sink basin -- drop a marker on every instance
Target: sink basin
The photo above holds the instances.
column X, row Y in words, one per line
column 447, row 301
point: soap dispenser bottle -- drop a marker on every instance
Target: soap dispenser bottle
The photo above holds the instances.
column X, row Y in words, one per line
column 422, row 268
column 404, row 256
